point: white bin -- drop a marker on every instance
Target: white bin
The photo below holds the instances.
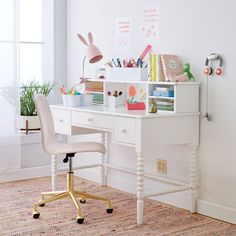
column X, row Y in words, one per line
column 71, row 100
column 127, row 74
column 86, row 100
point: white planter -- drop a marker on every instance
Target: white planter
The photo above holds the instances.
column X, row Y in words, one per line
column 33, row 122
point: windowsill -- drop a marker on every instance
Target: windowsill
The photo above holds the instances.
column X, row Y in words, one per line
column 30, row 138
column 35, row 137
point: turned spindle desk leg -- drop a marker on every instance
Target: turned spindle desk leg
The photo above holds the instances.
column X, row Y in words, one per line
column 193, row 178
column 140, row 187
column 54, row 171
column 104, row 140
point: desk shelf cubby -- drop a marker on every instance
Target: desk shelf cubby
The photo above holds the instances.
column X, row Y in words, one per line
column 183, row 100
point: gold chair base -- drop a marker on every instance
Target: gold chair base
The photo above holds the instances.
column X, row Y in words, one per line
column 47, row 197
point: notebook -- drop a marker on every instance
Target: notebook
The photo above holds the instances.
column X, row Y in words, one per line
column 172, row 67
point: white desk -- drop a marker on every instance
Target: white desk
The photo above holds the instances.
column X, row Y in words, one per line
column 138, row 130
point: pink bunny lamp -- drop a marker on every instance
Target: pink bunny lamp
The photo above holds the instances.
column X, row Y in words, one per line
column 93, row 53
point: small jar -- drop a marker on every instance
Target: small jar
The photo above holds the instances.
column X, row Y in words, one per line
column 152, row 106
column 101, row 73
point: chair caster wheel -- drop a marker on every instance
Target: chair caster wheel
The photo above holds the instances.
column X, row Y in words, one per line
column 80, row 220
column 82, row 200
column 42, row 205
column 36, row 215
column 109, row 210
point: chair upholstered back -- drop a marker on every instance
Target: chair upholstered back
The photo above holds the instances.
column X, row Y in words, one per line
column 46, row 121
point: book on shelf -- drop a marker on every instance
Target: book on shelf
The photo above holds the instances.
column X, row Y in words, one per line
column 93, row 86
column 150, row 68
column 155, row 68
column 160, row 71
column 172, row 67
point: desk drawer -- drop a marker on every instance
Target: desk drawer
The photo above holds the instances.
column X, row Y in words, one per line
column 91, row 120
column 62, row 121
column 124, row 130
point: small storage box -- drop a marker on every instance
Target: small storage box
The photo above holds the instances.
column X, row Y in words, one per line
column 126, row 74
column 135, row 106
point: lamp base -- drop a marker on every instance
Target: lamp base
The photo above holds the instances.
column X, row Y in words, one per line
column 83, row 80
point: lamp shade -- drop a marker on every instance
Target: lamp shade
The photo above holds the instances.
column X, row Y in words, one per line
column 93, row 54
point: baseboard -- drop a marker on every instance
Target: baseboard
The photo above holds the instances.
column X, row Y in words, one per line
column 25, row 173
column 89, row 174
column 217, row 211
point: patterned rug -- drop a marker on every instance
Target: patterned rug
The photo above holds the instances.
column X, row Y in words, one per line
column 59, row 218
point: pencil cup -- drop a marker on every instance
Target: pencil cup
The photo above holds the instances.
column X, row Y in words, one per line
column 74, row 100
column 86, row 100
column 113, row 102
column 65, row 99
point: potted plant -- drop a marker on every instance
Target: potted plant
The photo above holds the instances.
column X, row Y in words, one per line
column 29, row 119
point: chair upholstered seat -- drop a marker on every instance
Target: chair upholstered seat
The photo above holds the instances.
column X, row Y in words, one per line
column 55, row 148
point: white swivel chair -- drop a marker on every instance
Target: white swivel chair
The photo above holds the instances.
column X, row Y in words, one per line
column 52, row 147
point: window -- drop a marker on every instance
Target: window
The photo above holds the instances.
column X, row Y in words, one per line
column 27, row 35
column 30, row 36
column 35, row 38
column 9, row 103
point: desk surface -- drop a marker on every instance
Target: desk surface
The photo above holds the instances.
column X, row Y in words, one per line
column 122, row 111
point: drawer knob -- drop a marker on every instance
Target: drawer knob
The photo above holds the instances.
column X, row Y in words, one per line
column 61, row 120
column 90, row 119
column 123, row 131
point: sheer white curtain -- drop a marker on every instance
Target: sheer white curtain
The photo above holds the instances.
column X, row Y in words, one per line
column 9, row 89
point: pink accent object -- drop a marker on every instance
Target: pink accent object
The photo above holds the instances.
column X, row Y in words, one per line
column 93, row 53
column 146, row 50
column 135, row 106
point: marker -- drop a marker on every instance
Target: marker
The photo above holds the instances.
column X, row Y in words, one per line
column 118, row 62
column 109, row 64
column 139, row 63
column 132, row 63
column 114, row 62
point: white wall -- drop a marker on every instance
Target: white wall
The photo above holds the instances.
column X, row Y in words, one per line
column 191, row 29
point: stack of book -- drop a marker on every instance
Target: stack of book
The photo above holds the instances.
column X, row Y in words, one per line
column 165, row 105
column 163, row 92
column 95, row 88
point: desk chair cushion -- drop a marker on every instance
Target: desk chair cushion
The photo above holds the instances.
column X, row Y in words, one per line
column 50, row 144
column 64, row 148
